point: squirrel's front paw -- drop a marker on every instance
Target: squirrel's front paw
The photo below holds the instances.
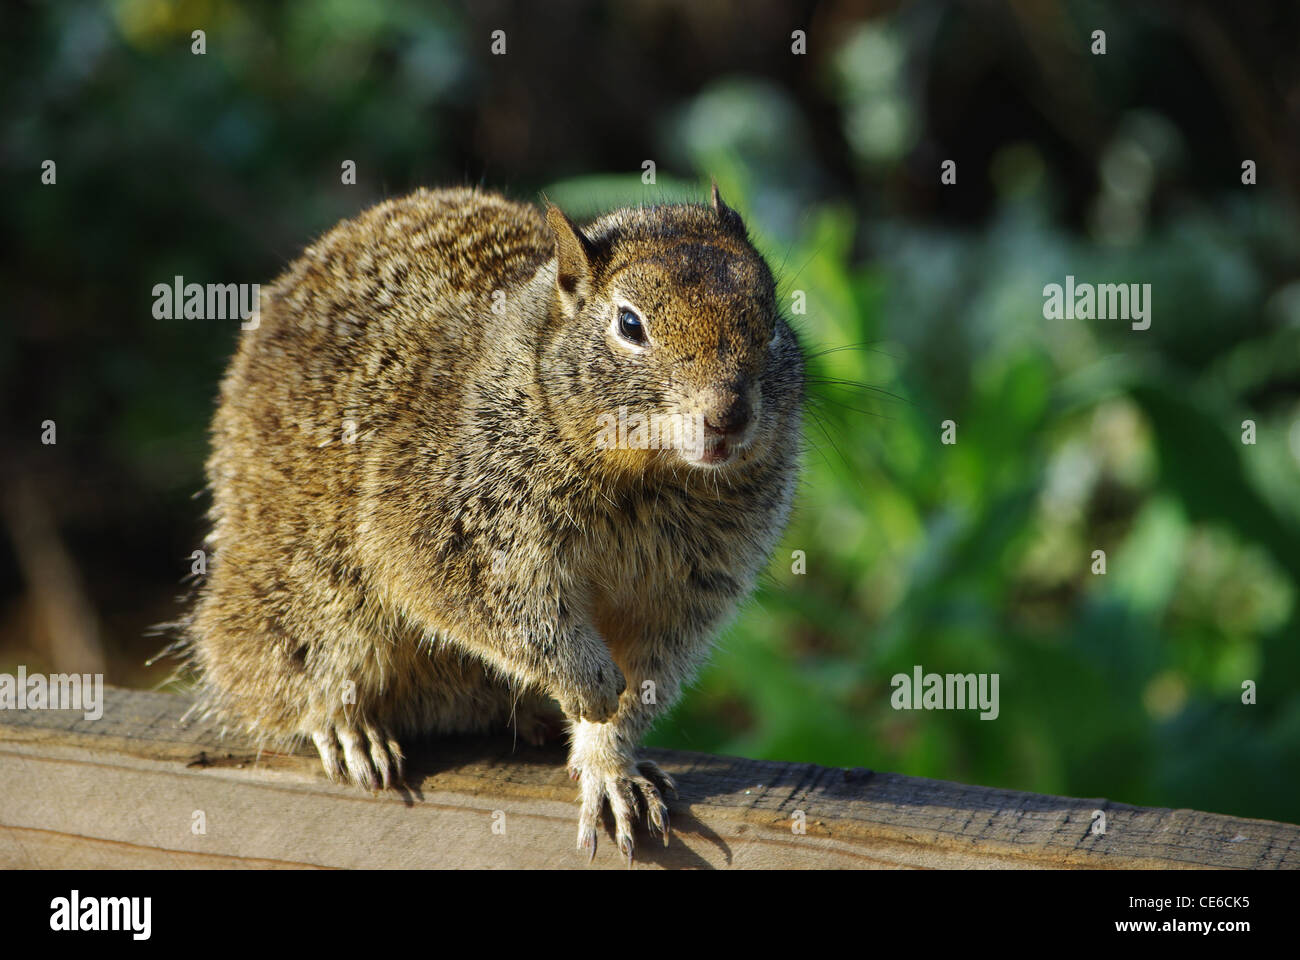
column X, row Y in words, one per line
column 627, row 789
column 596, row 701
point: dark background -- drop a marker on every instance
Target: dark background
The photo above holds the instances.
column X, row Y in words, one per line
column 924, row 304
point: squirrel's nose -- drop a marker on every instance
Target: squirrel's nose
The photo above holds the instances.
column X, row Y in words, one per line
column 732, row 418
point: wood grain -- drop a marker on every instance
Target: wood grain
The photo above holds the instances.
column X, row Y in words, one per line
column 122, row 791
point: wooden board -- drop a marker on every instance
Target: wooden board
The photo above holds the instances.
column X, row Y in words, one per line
column 124, row 791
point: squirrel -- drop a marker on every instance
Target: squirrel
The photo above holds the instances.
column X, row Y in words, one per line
column 428, row 516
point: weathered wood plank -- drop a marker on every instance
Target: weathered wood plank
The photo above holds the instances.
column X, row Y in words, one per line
column 123, row 791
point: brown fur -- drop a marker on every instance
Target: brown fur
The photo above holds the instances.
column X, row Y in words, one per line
column 415, row 528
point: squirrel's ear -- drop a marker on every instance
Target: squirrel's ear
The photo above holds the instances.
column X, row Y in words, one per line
column 573, row 252
column 729, row 218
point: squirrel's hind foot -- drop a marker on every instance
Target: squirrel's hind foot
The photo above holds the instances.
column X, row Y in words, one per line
column 363, row 754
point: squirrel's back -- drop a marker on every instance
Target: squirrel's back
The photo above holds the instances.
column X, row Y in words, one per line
column 384, row 313
column 424, row 265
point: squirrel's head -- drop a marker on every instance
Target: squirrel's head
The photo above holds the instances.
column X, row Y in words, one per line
column 665, row 342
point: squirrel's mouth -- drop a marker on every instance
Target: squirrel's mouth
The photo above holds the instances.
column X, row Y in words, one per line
column 715, row 451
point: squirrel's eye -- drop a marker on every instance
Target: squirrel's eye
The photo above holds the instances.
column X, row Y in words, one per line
column 630, row 326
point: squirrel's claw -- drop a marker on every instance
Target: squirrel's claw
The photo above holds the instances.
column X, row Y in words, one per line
column 587, row 841
column 386, row 755
column 650, row 769
column 328, row 749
